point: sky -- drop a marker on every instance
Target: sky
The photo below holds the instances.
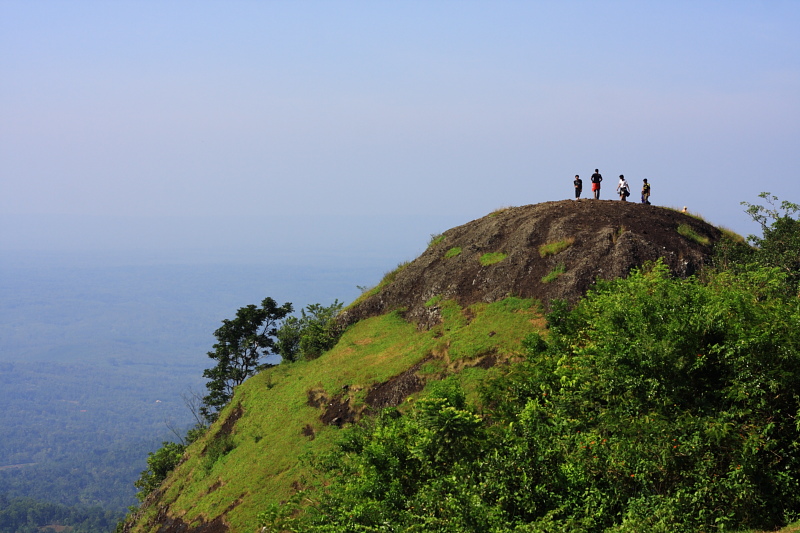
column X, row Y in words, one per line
column 296, row 125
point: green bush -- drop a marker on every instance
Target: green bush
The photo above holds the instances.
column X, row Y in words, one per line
column 656, row 404
column 309, row 335
column 159, row 464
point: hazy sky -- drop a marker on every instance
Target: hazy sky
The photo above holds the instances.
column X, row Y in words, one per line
column 130, row 112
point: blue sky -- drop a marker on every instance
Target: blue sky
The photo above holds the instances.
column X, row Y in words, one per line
column 417, row 116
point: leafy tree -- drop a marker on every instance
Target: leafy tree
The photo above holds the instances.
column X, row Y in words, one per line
column 241, row 344
column 159, row 464
column 779, row 245
column 309, row 335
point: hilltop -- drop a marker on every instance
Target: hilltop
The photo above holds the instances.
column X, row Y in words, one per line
column 501, row 254
column 459, row 312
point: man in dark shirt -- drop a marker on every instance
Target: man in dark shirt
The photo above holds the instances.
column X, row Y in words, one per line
column 578, row 186
column 596, row 179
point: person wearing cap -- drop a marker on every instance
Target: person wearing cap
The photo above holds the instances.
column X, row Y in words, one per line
column 645, row 192
column 596, row 179
column 622, row 189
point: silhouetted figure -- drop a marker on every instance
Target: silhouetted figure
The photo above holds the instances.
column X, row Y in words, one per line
column 596, row 179
column 578, row 186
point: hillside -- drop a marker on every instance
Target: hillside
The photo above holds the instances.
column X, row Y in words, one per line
column 601, row 239
column 459, row 311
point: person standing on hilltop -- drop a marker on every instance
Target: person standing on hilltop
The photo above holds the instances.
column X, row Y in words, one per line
column 578, row 186
column 622, row 189
column 596, row 179
column 645, row 192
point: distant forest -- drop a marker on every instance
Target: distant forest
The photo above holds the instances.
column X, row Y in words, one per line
column 94, row 360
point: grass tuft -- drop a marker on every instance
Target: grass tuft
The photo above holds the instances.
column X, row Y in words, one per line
column 435, row 239
column 555, row 273
column 500, row 210
column 687, row 231
column 553, row 248
column 452, row 252
column 492, row 258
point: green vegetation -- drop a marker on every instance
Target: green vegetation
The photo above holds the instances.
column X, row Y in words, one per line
column 279, row 423
column 241, row 343
column 309, row 335
column 492, row 258
column 654, row 404
column 159, row 464
column 25, row 515
column 628, row 417
column 554, row 274
column 687, row 231
column 435, row 239
column 433, row 300
column 452, row 252
column 499, row 210
column 388, row 278
column 553, row 248
column 779, row 246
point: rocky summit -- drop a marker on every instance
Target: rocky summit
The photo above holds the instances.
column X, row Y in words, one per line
column 552, row 250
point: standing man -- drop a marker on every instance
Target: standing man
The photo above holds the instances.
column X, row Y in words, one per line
column 596, row 179
column 622, row 189
column 578, row 186
column 646, row 192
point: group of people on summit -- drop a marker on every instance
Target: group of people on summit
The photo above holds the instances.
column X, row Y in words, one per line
column 623, row 189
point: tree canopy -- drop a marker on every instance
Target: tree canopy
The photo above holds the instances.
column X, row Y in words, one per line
column 241, row 344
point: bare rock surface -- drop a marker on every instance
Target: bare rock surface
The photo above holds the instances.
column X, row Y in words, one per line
column 609, row 238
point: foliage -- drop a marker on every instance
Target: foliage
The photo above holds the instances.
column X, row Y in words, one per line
column 264, row 464
column 687, row 231
column 554, row 274
column 435, row 239
column 452, row 252
column 220, row 445
column 26, row 515
column 309, row 335
column 553, row 248
column 387, row 279
column 159, row 464
column 241, row 343
column 657, row 404
column 779, row 245
column 492, row 258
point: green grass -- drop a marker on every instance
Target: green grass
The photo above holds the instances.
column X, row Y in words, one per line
column 687, row 231
column 553, row 248
column 387, row 279
column 436, row 238
column 258, row 463
column 492, row 258
column 499, row 211
column 554, row 274
column 452, row 252
column 433, row 301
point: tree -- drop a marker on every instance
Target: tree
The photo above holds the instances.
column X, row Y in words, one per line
column 241, row 344
column 309, row 335
column 159, row 464
column 780, row 244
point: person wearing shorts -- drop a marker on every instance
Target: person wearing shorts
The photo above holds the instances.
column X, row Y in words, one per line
column 596, row 179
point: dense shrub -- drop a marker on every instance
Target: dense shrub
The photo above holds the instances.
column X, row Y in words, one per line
column 657, row 404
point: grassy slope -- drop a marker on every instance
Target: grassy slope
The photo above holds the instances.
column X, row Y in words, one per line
column 268, row 438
